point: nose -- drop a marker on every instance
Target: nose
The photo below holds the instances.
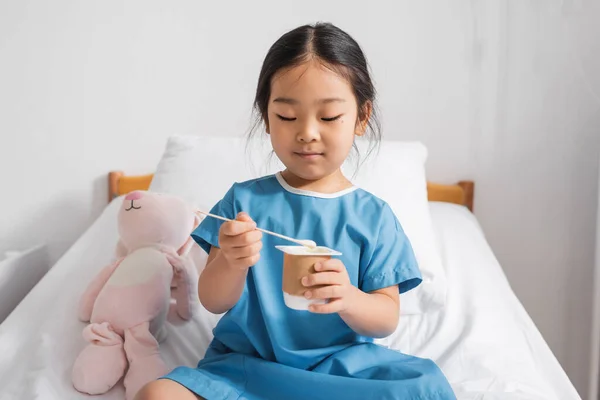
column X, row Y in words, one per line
column 309, row 132
column 134, row 196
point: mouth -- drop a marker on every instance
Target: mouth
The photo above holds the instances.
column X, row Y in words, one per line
column 133, row 207
column 308, row 155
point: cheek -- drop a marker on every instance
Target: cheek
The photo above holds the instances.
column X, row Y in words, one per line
column 280, row 138
column 339, row 142
column 342, row 133
column 281, row 131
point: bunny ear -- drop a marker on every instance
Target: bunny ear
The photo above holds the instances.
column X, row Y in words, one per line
column 121, row 250
column 185, row 249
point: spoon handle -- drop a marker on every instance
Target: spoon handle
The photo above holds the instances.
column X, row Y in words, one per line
column 300, row 242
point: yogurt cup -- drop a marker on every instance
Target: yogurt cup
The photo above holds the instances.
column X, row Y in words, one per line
column 298, row 262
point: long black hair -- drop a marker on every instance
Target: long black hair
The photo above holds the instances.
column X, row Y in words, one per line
column 336, row 50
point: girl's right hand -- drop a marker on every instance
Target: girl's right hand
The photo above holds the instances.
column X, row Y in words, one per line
column 240, row 242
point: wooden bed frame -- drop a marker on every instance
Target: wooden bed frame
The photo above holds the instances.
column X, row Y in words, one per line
column 461, row 193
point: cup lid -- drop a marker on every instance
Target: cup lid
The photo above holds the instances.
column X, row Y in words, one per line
column 305, row 251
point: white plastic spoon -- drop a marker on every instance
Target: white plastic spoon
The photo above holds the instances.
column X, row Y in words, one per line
column 307, row 243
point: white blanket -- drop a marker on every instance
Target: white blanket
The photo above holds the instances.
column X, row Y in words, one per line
column 483, row 340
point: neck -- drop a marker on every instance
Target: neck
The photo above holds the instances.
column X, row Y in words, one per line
column 328, row 184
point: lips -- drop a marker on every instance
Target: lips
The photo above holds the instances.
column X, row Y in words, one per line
column 308, row 155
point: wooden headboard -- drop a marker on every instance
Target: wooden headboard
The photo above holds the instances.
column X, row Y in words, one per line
column 460, row 193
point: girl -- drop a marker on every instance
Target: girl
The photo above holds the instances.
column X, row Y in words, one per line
column 314, row 96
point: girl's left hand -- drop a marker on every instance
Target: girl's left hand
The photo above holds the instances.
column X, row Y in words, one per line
column 338, row 289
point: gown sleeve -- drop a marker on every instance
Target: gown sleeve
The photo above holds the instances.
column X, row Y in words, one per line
column 207, row 233
column 392, row 260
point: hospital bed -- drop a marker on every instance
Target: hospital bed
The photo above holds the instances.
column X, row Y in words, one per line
column 483, row 339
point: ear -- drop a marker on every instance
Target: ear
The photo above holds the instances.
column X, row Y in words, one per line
column 363, row 123
column 185, row 249
column 121, row 251
column 265, row 119
column 196, row 220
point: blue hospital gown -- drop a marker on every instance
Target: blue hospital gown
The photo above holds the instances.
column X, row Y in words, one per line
column 264, row 350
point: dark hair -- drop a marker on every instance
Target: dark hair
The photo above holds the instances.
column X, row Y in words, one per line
column 336, row 50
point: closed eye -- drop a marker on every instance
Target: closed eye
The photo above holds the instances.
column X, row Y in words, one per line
column 332, row 118
column 281, row 117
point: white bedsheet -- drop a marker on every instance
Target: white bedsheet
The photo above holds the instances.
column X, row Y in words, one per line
column 484, row 341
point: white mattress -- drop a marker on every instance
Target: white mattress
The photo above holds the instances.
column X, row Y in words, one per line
column 484, row 341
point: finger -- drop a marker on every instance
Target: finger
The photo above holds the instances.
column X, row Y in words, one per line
column 234, row 228
column 243, row 240
column 322, row 278
column 246, row 251
column 327, row 308
column 244, row 217
column 330, row 265
column 327, row 292
column 248, row 261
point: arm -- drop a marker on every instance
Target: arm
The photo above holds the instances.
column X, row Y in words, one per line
column 88, row 298
column 220, row 286
column 185, row 276
column 373, row 314
column 222, row 282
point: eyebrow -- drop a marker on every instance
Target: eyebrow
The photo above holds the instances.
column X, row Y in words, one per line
column 287, row 100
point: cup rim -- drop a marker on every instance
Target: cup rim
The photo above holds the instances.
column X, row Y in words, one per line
column 291, row 251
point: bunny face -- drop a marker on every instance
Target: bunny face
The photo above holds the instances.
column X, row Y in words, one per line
column 150, row 219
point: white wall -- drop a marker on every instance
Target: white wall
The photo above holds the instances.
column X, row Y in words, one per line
column 537, row 165
column 500, row 92
column 594, row 383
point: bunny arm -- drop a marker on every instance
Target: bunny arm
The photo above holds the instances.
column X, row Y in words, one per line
column 185, row 292
column 88, row 298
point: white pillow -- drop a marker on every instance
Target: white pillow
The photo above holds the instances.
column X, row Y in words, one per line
column 396, row 174
column 201, row 169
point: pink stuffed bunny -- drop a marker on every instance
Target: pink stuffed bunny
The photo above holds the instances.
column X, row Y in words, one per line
column 128, row 301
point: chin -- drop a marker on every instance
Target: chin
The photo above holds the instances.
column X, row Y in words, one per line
column 309, row 174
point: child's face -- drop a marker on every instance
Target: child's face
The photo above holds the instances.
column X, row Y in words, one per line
column 312, row 120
